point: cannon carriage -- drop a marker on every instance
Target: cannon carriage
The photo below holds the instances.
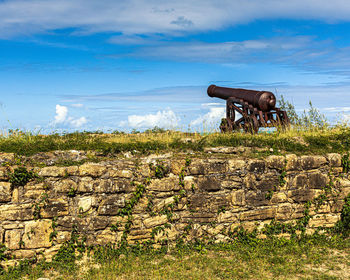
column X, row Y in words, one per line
column 257, row 109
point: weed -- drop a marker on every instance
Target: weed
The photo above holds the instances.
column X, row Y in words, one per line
column 21, row 176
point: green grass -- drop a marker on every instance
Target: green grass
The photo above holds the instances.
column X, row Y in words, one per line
column 311, row 141
column 308, row 258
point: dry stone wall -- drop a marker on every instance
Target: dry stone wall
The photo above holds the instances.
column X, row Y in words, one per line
column 162, row 198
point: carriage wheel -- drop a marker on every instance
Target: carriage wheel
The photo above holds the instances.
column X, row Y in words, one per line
column 251, row 124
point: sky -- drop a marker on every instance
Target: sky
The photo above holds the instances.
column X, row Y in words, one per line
column 121, row 65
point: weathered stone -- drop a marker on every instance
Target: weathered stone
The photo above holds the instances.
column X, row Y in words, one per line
column 5, row 192
column 268, row 183
column 111, row 205
column 14, row 212
column 92, row 169
column 155, row 221
column 256, row 166
column 7, row 157
column 65, row 186
column 279, row 197
column 105, row 186
column 235, row 164
column 301, row 195
column 317, row 180
column 238, row 197
column 3, row 173
column 214, row 166
column 37, row 234
column 85, row 203
column 221, row 150
column 165, row 184
column 292, row 162
column 334, row 160
column 299, row 181
column 55, row 208
column 258, row 214
column 312, row 162
column 177, row 166
column 284, row 211
column 324, row 220
column 86, row 185
column 13, row 239
column 276, row 162
column 196, row 167
column 227, row 217
column 256, row 198
column 120, row 173
column 208, row 184
column 53, row 171
column 23, row 254
column 159, row 205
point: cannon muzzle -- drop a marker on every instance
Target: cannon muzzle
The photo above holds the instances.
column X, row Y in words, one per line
column 263, row 100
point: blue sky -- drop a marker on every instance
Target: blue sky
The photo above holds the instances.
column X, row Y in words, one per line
column 123, row 65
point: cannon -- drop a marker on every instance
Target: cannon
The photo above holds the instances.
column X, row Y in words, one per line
column 257, row 109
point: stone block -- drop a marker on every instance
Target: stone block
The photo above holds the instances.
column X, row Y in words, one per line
column 53, row 171
column 276, row 162
column 13, row 239
column 120, row 173
column 5, row 192
column 85, row 203
column 215, row 166
column 155, row 221
column 278, row 197
column 209, row 184
column 317, row 180
column 3, row 173
column 301, row 195
column 256, row 166
column 65, row 185
column 56, row 207
column 196, row 167
column 235, row 165
column 324, row 220
column 238, row 197
column 176, row 166
column 86, row 185
column 111, row 205
column 165, row 184
column 298, row 181
column 258, row 214
column 255, row 198
column 92, row 169
column 16, row 212
column 37, row 234
column 312, row 162
column 292, row 162
column 334, row 159
column 284, row 211
column 105, row 186
column 23, row 254
column 227, row 217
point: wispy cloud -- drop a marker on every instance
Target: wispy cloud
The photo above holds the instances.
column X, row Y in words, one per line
column 163, row 119
column 210, row 119
column 28, row 17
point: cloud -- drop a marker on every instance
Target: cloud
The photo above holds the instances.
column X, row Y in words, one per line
column 210, row 119
column 77, row 122
column 27, row 17
column 77, row 105
column 62, row 118
column 61, row 114
column 162, row 119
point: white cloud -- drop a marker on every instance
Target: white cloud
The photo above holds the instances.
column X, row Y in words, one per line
column 211, row 118
column 163, row 119
column 62, row 118
column 78, row 122
column 156, row 16
column 61, row 113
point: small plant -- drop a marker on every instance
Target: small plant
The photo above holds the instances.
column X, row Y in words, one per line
column 269, row 195
column 53, row 234
column 222, row 209
column 345, row 163
column 72, row 192
column 21, row 176
column 343, row 225
column 160, row 170
column 115, row 227
column 37, row 206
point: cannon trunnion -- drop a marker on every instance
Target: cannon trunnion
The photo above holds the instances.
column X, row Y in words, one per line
column 257, row 109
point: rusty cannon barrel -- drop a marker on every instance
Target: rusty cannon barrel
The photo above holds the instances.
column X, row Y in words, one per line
column 263, row 100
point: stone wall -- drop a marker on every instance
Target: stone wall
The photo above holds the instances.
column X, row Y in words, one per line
column 161, row 198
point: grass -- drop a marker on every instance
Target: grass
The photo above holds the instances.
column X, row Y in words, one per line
column 310, row 141
column 308, row 258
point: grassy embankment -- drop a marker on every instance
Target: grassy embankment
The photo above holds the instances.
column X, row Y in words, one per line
column 245, row 258
column 299, row 141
